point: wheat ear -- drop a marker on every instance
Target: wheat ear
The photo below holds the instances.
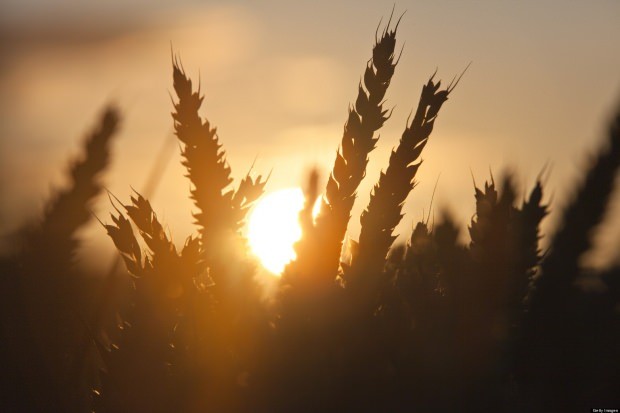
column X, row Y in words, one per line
column 365, row 118
column 47, row 284
column 165, row 283
column 221, row 209
column 384, row 210
column 581, row 217
column 69, row 209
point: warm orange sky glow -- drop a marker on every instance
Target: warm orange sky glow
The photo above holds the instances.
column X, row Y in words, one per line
column 278, row 77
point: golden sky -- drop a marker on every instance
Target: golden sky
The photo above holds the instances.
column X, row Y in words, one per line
column 278, row 77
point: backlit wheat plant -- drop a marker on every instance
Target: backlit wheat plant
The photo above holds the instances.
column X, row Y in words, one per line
column 238, row 313
column 41, row 310
column 222, row 210
column 384, row 209
column 567, row 330
column 199, row 309
column 358, row 140
column 157, row 336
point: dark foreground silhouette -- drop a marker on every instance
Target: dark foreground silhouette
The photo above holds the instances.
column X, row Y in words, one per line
column 430, row 326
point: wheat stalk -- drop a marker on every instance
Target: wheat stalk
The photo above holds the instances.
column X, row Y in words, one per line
column 384, row 209
column 222, row 210
column 166, row 282
column 365, row 118
column 68, row 210
column 527, row 230
column 580, row 218
column 565, row 328
column 45, row 284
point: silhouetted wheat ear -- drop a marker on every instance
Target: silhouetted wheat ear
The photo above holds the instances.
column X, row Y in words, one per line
column 365, row 118
column 221, row 209
column 162, row 257
column 421, row 256
column 69, row 209
column 449, row 251
column 421, row 263
column 504, row 245
column 47, row 284
column 489, row 227
column 384, row 210
column 165, row 282
column 306, row 248
column 528, row 221
column 311, row 192
column 126, row 243
column 581, row 217
column 229, row 274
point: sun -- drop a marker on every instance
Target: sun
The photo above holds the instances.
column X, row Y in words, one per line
column 273, row 228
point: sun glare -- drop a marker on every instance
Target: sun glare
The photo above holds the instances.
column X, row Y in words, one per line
column 273, row 228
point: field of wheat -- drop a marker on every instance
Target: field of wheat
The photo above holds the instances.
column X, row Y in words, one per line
column 432, row 325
